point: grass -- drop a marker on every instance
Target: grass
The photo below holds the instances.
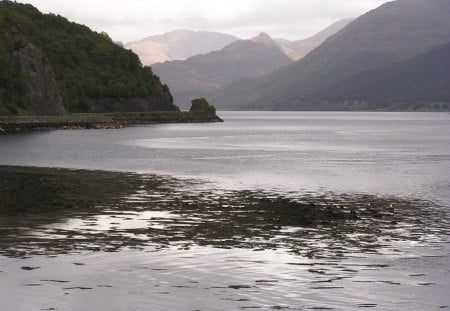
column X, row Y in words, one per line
column 100, row 117
column 100, row 120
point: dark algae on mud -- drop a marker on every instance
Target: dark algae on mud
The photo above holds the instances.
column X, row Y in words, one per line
column 141, row 210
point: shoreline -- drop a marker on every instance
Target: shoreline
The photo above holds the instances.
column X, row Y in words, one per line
column 14, row 124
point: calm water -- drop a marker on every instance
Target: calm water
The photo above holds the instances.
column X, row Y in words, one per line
column 233, row 255
column 406, row 154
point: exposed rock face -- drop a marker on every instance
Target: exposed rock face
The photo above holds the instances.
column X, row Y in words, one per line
column 40, row 84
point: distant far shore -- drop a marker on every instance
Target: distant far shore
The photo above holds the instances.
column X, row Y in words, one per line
column 12, row 124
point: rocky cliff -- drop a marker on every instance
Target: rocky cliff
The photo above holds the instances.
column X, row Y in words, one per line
column 40, row 88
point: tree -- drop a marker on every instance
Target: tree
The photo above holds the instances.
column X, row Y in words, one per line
column 201, row 105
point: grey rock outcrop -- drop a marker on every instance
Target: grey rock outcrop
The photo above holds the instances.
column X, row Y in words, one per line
column 40, row 85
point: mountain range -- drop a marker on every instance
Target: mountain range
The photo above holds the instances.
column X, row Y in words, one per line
column 178, row 45
column 182, row 44
column 205, row 74
column 395, row 57
column 386, row 36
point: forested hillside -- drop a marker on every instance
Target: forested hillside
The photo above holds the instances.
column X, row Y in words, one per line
column 47, row 61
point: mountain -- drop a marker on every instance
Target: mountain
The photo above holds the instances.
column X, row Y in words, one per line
column 389, row 34
column 202, row 75
column 421, row 82
column 49, row 65
column 299, row 49
column 178, row 45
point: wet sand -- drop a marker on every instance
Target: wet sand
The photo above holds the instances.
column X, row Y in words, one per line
column 79, row 240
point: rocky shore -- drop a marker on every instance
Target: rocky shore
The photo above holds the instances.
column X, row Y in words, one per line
column 13, row 124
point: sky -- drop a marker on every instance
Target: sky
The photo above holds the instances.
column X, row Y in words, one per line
column 131, row 20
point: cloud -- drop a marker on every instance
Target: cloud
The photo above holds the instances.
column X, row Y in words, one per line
column 134, row 19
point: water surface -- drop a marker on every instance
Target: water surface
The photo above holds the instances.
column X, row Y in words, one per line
column 387, row 153
column 288, row 210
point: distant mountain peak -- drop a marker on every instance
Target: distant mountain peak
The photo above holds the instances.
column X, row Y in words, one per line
column 202, row 75
column 264, row 38
column 175, row 33
column 180, row 31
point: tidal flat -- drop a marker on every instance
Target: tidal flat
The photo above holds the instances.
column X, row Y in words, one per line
column 85, row 239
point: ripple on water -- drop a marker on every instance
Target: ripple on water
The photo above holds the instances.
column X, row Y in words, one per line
column 234, row 249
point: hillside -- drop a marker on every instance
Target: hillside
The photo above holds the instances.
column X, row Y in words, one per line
column 389, row 34
column 202, row 75
column 49, row 65
column 421, row 82
column 178, row 45
column 300, row 48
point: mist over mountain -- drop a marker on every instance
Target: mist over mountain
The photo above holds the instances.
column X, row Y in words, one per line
column 387, row 35
column 300, row 48
column 202, row 75
column 178, row 45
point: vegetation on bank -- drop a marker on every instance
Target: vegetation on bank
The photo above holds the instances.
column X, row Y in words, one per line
column 201, row 105
column 88, row 66
column 11, row 124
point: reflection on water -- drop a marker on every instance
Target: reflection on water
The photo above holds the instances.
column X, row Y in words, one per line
column 177, row 213
column 216, row 249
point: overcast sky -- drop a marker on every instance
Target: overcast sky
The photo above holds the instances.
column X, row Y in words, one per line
column 130, row 20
